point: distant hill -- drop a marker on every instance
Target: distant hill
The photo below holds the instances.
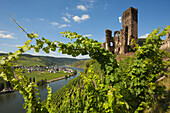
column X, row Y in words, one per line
column 141, row 41
column 81, row 63
column 30, row 60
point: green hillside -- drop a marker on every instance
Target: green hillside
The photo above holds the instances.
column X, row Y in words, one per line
column 80, row 64
column 30, row 60
column 141, row 41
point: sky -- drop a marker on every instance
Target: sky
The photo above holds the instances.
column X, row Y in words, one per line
column 86, row 17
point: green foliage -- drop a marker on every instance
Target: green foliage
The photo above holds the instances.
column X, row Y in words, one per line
column 58, row 96
column 42, row 82
column 128, row 87
column 116, row 90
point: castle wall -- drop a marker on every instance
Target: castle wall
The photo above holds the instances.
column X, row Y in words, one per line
column 118, row 44
column 166, row 43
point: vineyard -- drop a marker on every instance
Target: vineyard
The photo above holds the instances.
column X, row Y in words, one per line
column 125, row 87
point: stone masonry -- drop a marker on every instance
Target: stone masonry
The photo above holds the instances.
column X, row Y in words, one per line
column 166, row 42
column 121, row 41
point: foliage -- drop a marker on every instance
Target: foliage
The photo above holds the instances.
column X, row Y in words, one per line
column 57, row 96
column 42, row 82
column 129, row 87
column 117, row 90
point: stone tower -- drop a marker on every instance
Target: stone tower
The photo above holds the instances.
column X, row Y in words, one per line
column 121, row 41
column 130, row 24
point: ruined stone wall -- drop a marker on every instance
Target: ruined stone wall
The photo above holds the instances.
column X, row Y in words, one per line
column 118, row 44
column 109, row 44
column 166, row 43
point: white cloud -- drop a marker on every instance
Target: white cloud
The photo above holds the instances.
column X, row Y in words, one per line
column 26, row 19
column 144, row 36
column 81, row 7
column 120, row 19
column 67, row 8
column 57, row 55
column 42, row 19
column 69, row 56
column 105, row 6
column 88, row 3
column 68, row 15
column 12, row 45
column 87, row 35
column 5, row 34
column 2, row 51
column 3, row 31
column 64, row 25
column 65, row 19
column 54, row 23
column 79, row 19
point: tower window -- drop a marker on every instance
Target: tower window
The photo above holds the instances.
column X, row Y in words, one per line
column 111, row 43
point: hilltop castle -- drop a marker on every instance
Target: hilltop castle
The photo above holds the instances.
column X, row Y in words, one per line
column 121, row 41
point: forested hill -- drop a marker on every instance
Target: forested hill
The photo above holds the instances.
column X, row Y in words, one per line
column 30, row 60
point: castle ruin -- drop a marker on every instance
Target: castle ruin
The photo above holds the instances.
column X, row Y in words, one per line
column 166, row 42
column 121, row 41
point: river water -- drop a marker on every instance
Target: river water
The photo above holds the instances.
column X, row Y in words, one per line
column 12, row 102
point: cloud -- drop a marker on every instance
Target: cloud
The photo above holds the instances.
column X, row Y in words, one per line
column 67, row 8
column 87, row 35
column 5, row 34
column 64, row 25
column 2, row 51
column 120, row 19
column 55, row 23
column 105, row 6
column 81, row 7
column 79, row 19
column 68, row 15
column 26, row 19
column 65, row 19
column 42, row 19
column 144, row 36
column 3, row 31
column 88, row 3
column 11, row 45
column 57, row 55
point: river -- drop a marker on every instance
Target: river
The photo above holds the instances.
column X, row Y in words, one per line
column 12, row 102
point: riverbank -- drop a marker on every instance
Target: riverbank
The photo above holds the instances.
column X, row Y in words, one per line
column 45, row 75
column 9, row 100
column 48, row 81
column 7, row 91
column 65, row 77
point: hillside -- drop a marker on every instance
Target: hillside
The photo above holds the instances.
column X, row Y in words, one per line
column 80, row 64
column 30, row 60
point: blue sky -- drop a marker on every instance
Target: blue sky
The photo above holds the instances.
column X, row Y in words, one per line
column 87, row 17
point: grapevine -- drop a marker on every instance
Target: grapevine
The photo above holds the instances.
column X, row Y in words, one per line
column 116, row 90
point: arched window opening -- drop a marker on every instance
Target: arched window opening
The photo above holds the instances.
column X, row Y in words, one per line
column 111, row 44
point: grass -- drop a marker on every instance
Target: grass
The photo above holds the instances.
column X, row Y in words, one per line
column 44, row 75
